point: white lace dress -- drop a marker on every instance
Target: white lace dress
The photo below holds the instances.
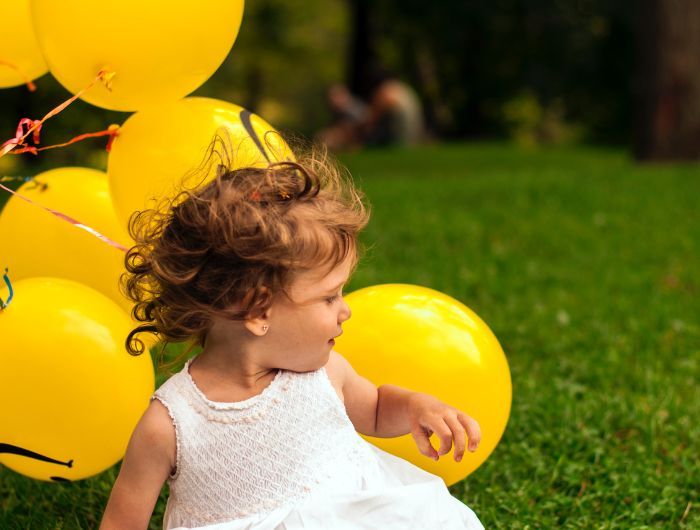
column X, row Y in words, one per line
column 289, row 458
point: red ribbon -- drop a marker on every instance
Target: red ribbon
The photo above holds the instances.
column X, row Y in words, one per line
column 112, row 131
column 34, row 126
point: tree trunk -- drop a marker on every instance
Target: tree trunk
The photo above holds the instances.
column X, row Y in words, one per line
column 362, row 48
column 668, row 80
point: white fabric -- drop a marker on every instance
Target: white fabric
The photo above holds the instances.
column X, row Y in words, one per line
column 289, row 458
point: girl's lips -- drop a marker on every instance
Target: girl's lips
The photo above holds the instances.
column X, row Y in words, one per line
column 331, row 342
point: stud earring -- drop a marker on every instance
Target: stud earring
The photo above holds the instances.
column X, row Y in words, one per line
column 265, row 327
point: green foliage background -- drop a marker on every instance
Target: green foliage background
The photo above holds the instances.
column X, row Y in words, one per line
column 552, row 71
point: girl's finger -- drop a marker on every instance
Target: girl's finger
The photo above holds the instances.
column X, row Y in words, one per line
column 423, row 442
column 459, row 436
column 473, row 430
column 443, row 432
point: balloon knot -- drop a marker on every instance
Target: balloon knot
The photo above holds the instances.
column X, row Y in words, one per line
column 113, row 131
column 106, row 75
column 30, row 84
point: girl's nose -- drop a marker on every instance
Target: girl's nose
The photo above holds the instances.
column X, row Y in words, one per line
column 345, row 312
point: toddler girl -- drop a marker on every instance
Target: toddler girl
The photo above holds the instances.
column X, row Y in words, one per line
column 259, row 430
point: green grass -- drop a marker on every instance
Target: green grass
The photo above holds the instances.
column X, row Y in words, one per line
column 586, row 267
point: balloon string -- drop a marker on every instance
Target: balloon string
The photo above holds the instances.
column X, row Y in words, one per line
column 112, row 131
column 30, row 85
column 5, row 277
column 69, row 219
column 33, row 127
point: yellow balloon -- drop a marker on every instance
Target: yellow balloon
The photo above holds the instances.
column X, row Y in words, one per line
column 18, row 46
column 34, row 242
column 158, row 148
column 159, row 51
column 71, row 395
column 426, row 341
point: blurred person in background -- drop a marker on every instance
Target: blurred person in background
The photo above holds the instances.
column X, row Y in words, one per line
column 395, row 112
column 350, row 114
column 392, row 117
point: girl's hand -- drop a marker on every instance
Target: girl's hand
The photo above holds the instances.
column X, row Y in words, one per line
column 429, row 415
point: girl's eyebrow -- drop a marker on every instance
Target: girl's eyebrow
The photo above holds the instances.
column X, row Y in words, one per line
column 334, row 289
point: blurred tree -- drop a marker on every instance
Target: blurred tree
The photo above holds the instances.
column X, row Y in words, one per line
column 668, row 80
column 552, row 70
column 285, row 57
column 471, row 60
column 362, row 47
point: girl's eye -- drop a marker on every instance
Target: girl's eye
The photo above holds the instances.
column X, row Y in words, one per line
column 332, row 299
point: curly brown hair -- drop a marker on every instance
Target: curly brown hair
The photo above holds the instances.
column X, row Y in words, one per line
column 228, row 247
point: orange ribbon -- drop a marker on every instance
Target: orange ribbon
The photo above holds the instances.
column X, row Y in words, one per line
column 112, row 131
column 33, row 127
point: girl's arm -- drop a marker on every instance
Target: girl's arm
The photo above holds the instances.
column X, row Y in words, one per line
column 390, row 411
column 149, row 459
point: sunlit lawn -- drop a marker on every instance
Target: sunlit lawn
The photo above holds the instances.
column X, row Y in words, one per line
column 587, row 268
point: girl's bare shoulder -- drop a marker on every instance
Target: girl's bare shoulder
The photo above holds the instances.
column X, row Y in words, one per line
column 156, row 429
column 336, row 368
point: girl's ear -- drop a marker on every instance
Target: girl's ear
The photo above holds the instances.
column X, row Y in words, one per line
column 258, row 326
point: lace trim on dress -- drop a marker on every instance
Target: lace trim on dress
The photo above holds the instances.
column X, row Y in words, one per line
column 247, row 411
column 174, row 475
